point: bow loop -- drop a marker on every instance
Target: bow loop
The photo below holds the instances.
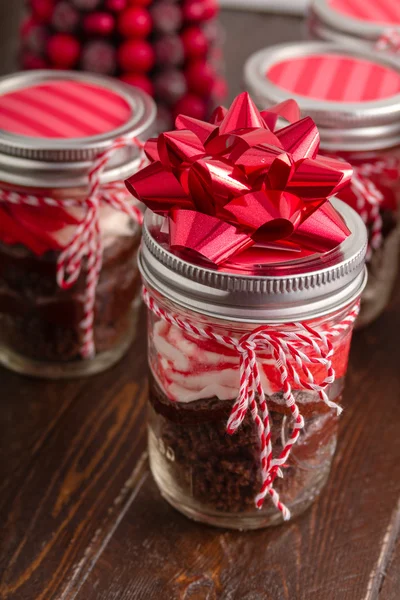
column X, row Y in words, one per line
column 239, row 162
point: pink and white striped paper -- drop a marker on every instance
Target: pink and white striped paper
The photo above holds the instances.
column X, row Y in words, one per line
column 62, row 109
column 334, row 77
column 378, row 11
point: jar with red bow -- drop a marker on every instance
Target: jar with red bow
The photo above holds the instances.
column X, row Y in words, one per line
column 375, row 23
column 252, row 280
column 353, row 94
column 69, row 231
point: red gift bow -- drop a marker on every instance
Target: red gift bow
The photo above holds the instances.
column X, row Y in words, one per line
column 235, row 183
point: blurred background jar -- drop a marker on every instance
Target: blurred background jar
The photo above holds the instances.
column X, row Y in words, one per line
column 69, row 231
column 353, row 95
column 374, row 23
column 201, row 470
column 171, row 49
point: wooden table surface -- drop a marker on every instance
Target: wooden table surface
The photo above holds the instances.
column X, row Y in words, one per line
column 82, row 519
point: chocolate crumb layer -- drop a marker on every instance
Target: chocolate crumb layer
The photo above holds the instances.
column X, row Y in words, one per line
column 41, row 321
column 222, row 471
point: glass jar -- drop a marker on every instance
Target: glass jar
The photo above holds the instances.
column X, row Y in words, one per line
column 375, row 23
column 353, row 95
column 51, row 182
column 211, row 471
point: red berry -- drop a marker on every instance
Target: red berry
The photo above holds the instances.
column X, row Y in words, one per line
column 200, row 77
column 140, row 81
column 191, row 105
column 169, row 50
column 42, row 9
column 36, row 38
column 167, row 17
column 134, row 22
column 195, row 42
column 199, row 10
column 116, row 5
column 99, row 57
column 31, row 61
column 63, row 50
column 214, row 32
column 99, row 23
column 170, row 86
column 26, row 26
column 136, row 55
column 65, row 17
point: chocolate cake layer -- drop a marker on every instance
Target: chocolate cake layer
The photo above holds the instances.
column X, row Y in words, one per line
column 41, row 321
column 222, row 471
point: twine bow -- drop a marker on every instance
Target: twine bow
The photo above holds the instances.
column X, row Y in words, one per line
column 293, row 352
column 87, row 240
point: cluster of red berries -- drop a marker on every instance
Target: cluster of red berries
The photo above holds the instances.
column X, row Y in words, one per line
column 169, row 48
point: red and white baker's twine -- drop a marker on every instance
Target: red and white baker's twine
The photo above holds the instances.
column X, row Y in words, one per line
column 389, row 41
column 369, row 200
column 289, row 350
column 87, row 240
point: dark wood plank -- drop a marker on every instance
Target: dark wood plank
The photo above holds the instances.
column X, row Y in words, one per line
column 72, row 481
column 391, row 583
column 339, row 550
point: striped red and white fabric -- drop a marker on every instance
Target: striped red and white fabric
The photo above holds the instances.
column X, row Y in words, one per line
column 378, row 11
column 335, row 78
column 62, row 109
column 87, row 241
column 292, row 351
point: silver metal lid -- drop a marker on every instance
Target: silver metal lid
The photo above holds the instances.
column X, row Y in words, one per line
column 349, row 126
column 297, row 289
column 52, row 162
column 331, row 19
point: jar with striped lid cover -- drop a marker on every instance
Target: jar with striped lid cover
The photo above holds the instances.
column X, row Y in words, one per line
column 252, row 280
column 353, row 95
column 69, row 232
column 375, row 23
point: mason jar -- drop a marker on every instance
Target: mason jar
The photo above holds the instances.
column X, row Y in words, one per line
column 374, row 23
column 207, row 452
column 69, row 231
column 353, row 95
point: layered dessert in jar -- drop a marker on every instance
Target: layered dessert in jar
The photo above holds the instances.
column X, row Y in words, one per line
column 353, row 94
column 252, row 280
column 40, row 321
column 69, row 230
column 193, row 384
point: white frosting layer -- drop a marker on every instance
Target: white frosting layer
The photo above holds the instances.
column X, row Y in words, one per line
column 187, row 371
column 113, row 224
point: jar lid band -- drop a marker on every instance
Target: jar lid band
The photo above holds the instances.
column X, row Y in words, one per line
column 324, row 79
column 72, row 118
column 301, row 289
